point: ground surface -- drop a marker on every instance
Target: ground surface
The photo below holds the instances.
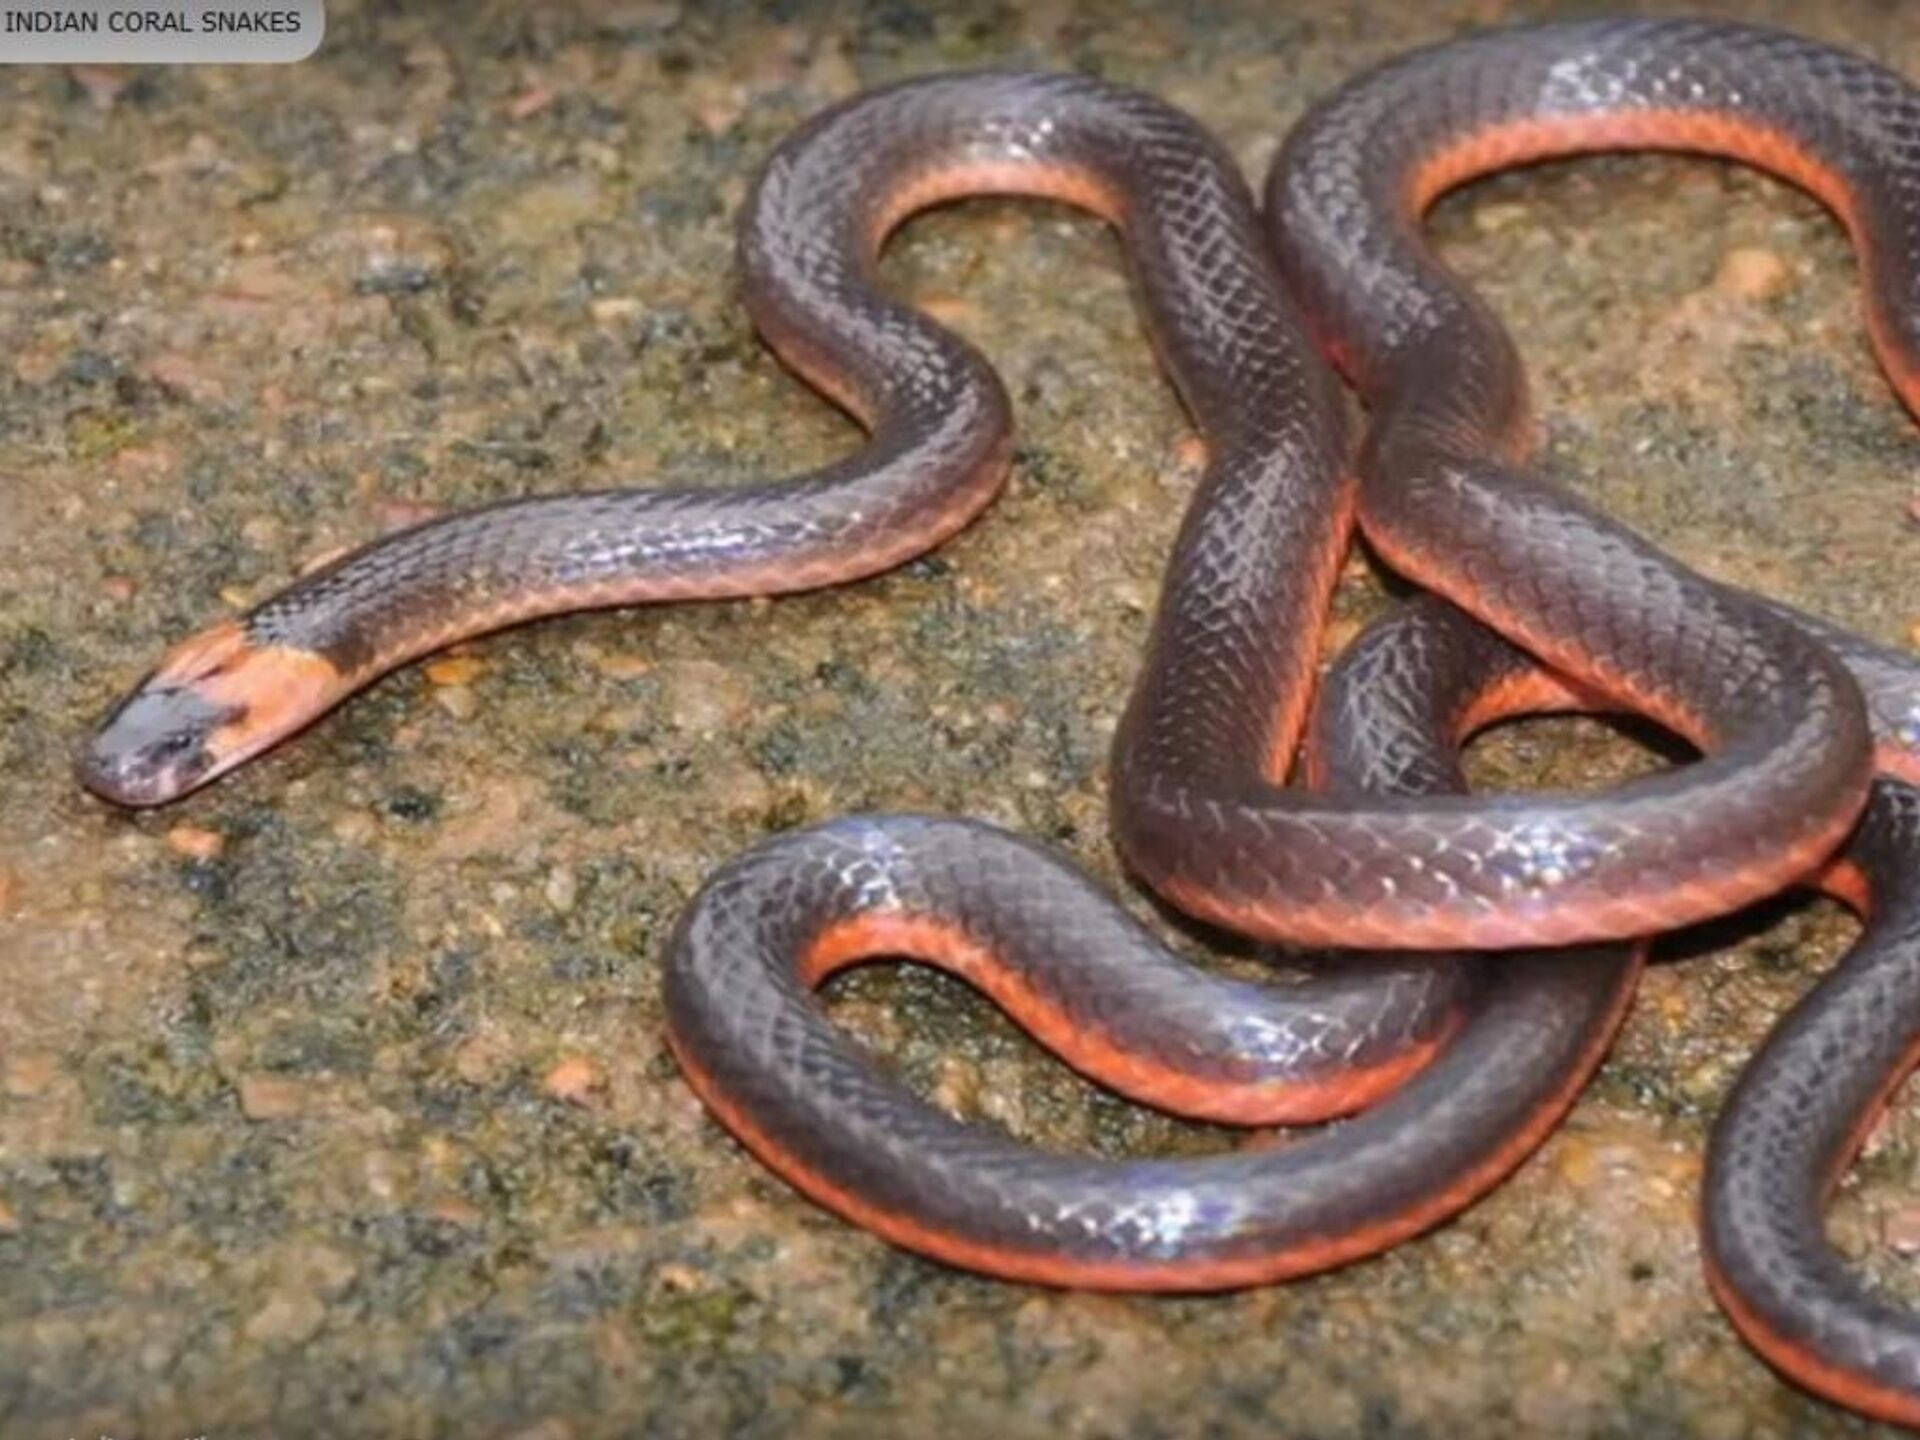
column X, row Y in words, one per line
column 334, row 1101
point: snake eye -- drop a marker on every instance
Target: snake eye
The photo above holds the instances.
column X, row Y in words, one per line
column 169, row 747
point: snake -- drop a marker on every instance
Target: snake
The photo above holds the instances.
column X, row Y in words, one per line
column 1527, row 914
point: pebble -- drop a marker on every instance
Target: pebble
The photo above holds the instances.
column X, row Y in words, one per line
column 38, row 364
column 199, row 955
column 262, row 279
column 452, row 1210
column 957, row 1088
column 1902, row 1230
column 704, row 697
column 574, row 1079
column 481, row 1060
column 1338, row 634
column 271, row 1097
column 457, row 701
column 28, row 1073
column 622, row 665
column 182, row 375
column 1748, row 273
column 1133, row 597
column 355, row 827
column 155, row 460
column 1577, row 1160
column 614, row 308
column 196, row 842
column 831, row 73
column 455, row 669
column 1497, row 215
column 261, row 532
column 1189, row 456
column 289, row 1319
column 529, row 103
column 9, row 1222
column 737, row 790
column 380, row 1171
column 717, row 105
column 952, row 311
column 679, row 1277
column 325, row 1269
column 506, row 817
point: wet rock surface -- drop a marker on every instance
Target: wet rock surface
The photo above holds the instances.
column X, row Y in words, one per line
column 335, row 1100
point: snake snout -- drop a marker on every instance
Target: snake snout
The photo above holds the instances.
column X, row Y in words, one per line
column 156, row 745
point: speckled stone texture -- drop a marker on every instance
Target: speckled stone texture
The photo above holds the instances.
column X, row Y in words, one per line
column 335, row 1101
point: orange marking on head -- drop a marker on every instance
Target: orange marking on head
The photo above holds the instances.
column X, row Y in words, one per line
column 271, row 690
column 275, row 690
column 199, row 656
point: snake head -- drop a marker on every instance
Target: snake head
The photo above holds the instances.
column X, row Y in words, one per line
column 155, row 746
column 213, row 701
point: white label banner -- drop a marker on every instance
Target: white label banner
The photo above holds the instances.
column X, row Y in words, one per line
column 185, row 32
